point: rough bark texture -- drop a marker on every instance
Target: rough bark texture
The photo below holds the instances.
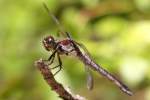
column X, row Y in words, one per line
column 55, row 86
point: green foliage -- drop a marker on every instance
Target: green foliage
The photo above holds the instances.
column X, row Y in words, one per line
column 116, row 33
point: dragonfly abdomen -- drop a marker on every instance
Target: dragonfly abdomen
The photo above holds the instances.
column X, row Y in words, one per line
column 88, row 61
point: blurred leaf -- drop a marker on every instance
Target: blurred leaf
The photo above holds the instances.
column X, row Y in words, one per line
column 110, row 26
column 133, row 69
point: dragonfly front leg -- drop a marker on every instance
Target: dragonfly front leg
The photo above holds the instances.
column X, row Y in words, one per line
column 60, row 64
column 51, row 58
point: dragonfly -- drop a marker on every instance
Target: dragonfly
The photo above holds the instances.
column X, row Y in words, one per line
column 70, row 47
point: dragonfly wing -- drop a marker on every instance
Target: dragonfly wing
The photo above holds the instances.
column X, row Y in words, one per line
column 90, row 80
column 61, row 29
column 84, row 48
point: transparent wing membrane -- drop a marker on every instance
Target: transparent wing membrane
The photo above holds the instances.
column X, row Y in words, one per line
column 89, row 77
column 61, row 29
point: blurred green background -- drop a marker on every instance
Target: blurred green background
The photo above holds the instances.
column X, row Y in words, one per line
column 116, row 33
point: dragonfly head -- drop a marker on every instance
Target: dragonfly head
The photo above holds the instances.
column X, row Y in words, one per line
column 49, row 43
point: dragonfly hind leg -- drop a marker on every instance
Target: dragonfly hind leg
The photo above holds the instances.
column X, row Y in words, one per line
column 58, row 66
column 51, row 60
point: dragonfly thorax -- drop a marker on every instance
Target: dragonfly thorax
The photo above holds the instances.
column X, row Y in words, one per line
column 49, row 43
column 66, row 47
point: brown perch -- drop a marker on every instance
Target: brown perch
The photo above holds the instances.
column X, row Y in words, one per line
column 57, row 87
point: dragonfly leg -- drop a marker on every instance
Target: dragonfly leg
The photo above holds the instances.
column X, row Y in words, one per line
column 52, row 55
column 60, row 65
column 51, row 58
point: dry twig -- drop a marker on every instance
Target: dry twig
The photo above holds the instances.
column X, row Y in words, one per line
column 57, row 87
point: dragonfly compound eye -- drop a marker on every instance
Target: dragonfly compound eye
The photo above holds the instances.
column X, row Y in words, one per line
column 49, row 43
